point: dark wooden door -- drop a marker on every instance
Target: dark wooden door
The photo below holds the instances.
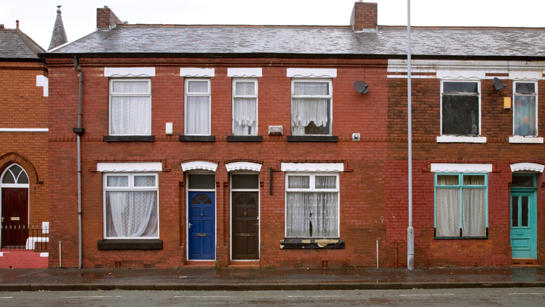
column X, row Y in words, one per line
column 245, row 223
column 14, row 216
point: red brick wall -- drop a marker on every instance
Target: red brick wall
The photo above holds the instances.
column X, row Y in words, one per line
column 364, row 16
column 24, row 106
column 362, row 213
column 497, row 127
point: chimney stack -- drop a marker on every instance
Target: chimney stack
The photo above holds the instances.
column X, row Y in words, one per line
column 364, row 17
column 106, row 19
column 17, row 24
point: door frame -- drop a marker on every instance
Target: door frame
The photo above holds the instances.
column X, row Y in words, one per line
column 187, row 190
column 17, row 186
column 258, row 190
column 533, row 191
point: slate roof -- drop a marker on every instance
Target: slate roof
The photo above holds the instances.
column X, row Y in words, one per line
column 311, row 40
column 15, row 44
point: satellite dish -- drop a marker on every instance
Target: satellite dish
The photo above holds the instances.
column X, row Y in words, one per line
column 361, row 87
column 498, row 85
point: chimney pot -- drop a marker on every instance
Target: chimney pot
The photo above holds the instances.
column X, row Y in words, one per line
column 364, row 17
column 17, row 24
column 1, row 26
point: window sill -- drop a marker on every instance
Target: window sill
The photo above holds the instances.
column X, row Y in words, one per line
column 128, row 138
column 289, row 243
column 130, row 244
column 460, row 238
column 460, row 139
column 312, row 138
column 244, row 138
column 518, row 139
column 197, row 138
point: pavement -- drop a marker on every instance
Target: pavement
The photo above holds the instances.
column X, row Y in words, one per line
column 268, row 279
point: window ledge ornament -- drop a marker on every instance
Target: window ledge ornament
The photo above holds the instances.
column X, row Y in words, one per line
column 518, row 139
column 197, row 72
column 244, row 72
column 460, row 139
column 243, row 166
column 128, row 72
column 527, row 167
column 460, row 168
column 199, row 165
column 311, row 72
column 312, row 167
column 129, row 167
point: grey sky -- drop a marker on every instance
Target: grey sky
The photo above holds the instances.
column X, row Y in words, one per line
column 37, row 16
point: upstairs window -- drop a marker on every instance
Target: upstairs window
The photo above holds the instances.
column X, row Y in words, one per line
column 197, row 107
column 244, row 107
column 460, row 108
column 311, row 107
column 525, row 109
column 130, row 107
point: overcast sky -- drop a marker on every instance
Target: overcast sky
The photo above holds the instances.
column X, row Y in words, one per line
column 79, row 16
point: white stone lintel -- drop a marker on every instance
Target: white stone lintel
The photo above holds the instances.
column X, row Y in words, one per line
column 129, row 167
column 128, row 72
column 243, row 166
column 199, row 165
column 245, row 72
column 527, row 167
column 311, row 72
column 197, row 72
column 312, row 167
column 460, row 168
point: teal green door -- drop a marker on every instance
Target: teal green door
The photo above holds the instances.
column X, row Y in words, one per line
column 523, row 224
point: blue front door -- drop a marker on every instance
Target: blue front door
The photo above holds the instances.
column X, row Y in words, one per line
column 201, row 233
column 523, row 224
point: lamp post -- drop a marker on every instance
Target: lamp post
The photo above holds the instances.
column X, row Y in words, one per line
column 410, row 230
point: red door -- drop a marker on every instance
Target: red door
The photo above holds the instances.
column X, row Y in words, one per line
column 14, row 216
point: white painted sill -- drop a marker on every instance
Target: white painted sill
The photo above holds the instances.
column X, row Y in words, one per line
column 517, row 139
column 460, row 139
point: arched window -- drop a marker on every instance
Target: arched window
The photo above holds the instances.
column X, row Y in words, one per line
column 15, row 175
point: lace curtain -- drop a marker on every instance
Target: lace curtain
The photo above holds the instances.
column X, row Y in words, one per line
column 130, row 214
column 245, row 116
column 312, row 215
column 130, row 115
column 305, row 111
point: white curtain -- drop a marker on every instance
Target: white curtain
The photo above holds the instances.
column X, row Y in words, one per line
column 473, row 212
column 447, row 212
column 305, row 111
column 298, row 182
column 325, row 182
column 245, row 116
column 198, row 115
column 312, row 215
column 131, row 214
column 131, row 115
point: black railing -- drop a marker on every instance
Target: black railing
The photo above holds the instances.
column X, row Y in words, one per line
column 27, row 237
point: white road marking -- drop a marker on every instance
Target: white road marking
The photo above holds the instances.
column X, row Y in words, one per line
column 527, row 293
column 202, row 296
column 92, row 296
column 6, row 297
column 427, row 294
column 313, row 296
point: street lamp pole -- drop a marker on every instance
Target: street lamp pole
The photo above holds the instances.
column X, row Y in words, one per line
column 410, row 229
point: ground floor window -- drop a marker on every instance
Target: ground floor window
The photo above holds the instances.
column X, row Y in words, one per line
column 131, row 206
column 461, row 205
column 312, row 205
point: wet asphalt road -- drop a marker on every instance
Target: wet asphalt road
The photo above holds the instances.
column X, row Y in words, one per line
column 418, row 297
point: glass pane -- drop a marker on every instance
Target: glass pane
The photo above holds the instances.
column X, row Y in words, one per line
column 310, row 116
column 117, row 181
column 130, row 115
column 244, row 116
column 198, row 115
column 128, row 87
column 525, row 115
column 514, row 211
column 245, row 181
column 460, row 115
column 447, row 179
column 447, row 215
column 198, row 181
column 298, row 182
column 197, row 86
column 460, row 87
column 474, row 212
column 8, row 178
column 525, row 88
column 23, row 178
column 131, row 214
column 523, row 181
column 326, row 182
column 244, row 88
column 473, row 180
column 311, row 88
column 144, row 181
column 16, row 170
column 524, row 211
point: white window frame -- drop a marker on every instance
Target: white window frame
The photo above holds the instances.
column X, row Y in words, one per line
column 112, row 94
column 199, row 94
column 129, row 188
column 450, row 138
column 330, row 97
column 312, row 189
column 234, row 96
column 528, row 138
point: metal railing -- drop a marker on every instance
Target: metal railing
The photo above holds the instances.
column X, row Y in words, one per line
column 29, row 237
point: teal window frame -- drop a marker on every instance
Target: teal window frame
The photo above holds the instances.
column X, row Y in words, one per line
column 460, row 186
